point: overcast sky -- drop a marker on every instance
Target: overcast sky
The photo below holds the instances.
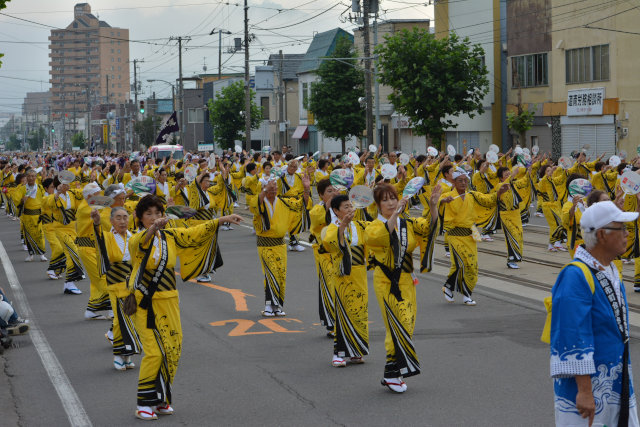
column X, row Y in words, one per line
column 153, row 22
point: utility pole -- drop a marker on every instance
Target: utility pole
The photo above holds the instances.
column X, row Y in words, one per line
column 108, row 141
column 135, row 92
column 376, row 83
column 281, row 94
column 89, row 139
column 247, row 89
column 181, row 88
column 220, row 32
column 367, row 70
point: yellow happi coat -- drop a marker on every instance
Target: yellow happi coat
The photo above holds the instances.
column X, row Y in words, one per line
column 157, row 319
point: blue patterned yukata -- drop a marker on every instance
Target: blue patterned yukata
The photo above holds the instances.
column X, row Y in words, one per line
column 588, row 334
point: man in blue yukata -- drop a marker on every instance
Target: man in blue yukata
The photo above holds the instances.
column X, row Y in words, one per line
column 590, row 362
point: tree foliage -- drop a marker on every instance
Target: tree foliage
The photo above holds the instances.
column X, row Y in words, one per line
column 433, row 79
column 146, row 131
column 35, row 138
column 226, row 118
column 77, row 140
column 334, row 98
column 520, row 122
column 3, row 5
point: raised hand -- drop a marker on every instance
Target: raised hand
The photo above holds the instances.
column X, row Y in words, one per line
column 95, row 216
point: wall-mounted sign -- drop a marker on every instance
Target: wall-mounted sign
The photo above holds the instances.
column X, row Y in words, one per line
column 585, row 102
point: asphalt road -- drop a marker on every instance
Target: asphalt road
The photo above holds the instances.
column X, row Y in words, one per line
column 481, row 366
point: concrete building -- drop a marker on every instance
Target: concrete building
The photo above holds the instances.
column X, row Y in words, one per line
column 89, row 63
column 578, row 72
column 482, row 21
column 37, row 103
column 264, row 98
column 285, row 114
column 196, row 115
column 307, row 137
column 395, row 133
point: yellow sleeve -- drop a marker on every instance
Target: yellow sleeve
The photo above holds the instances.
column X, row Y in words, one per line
column 330, row 242
column 377, row 235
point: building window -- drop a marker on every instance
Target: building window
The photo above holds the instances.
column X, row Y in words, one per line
column 587, row 64
column 112, row 50
column 119, row 59
column 264, row 103
column 195, row 115
column 529, row 70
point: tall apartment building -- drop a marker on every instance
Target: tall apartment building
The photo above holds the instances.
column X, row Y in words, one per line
column 89, row 63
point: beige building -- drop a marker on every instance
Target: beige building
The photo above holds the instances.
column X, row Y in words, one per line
column 578, row 71
column 395, row 132
column 89, row 62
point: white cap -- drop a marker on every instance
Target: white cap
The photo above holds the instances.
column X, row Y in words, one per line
column 458, row 172
column 90, row 189
column 600, row 214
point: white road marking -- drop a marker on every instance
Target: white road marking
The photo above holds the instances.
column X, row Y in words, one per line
column 68, row 396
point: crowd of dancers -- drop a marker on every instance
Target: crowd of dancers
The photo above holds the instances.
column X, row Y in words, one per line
column 125, row 220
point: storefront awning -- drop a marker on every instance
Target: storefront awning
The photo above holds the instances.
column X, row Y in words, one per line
column 301, row 132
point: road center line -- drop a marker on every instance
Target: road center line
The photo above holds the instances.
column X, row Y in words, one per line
column 68, row 396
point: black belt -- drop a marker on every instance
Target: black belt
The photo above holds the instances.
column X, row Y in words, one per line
column 31, row 211
column 270, row 241
column 459, row 231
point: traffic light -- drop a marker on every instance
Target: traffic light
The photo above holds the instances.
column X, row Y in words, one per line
column 53, row 130
column 141, row 107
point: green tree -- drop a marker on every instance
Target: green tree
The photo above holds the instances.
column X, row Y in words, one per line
column 334, row 98
column 14, row 143
column 520, row 122
column 433, row 78
column 146, row 130
column 35, row 138
column 77, row 140
column 225, row 118
column 3, row 5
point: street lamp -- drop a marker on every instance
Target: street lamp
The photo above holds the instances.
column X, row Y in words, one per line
column 220, row 32
column 173, row 88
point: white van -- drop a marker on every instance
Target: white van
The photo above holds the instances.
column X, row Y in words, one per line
column 162, row 151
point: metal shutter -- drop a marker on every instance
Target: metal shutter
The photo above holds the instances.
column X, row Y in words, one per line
column 606, row 140
column 570, row 139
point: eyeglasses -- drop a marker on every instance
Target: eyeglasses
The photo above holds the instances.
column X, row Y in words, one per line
column 614, row 228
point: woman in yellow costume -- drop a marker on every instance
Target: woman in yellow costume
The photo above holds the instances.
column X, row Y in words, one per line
column 153, row 252
column 99, row 306
column 551, row 189
column 223, row 194
column 344, row 239
column 30, row 208
column 273, row 217
column 510, row 215
column 57, row 262
column 63, row 205
column 571, row 214
column 114, row 262
column 458, row 209
column 181, row 190
column 201, row 199
column 321, row 216
column 393, row 240
column 164, row 189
